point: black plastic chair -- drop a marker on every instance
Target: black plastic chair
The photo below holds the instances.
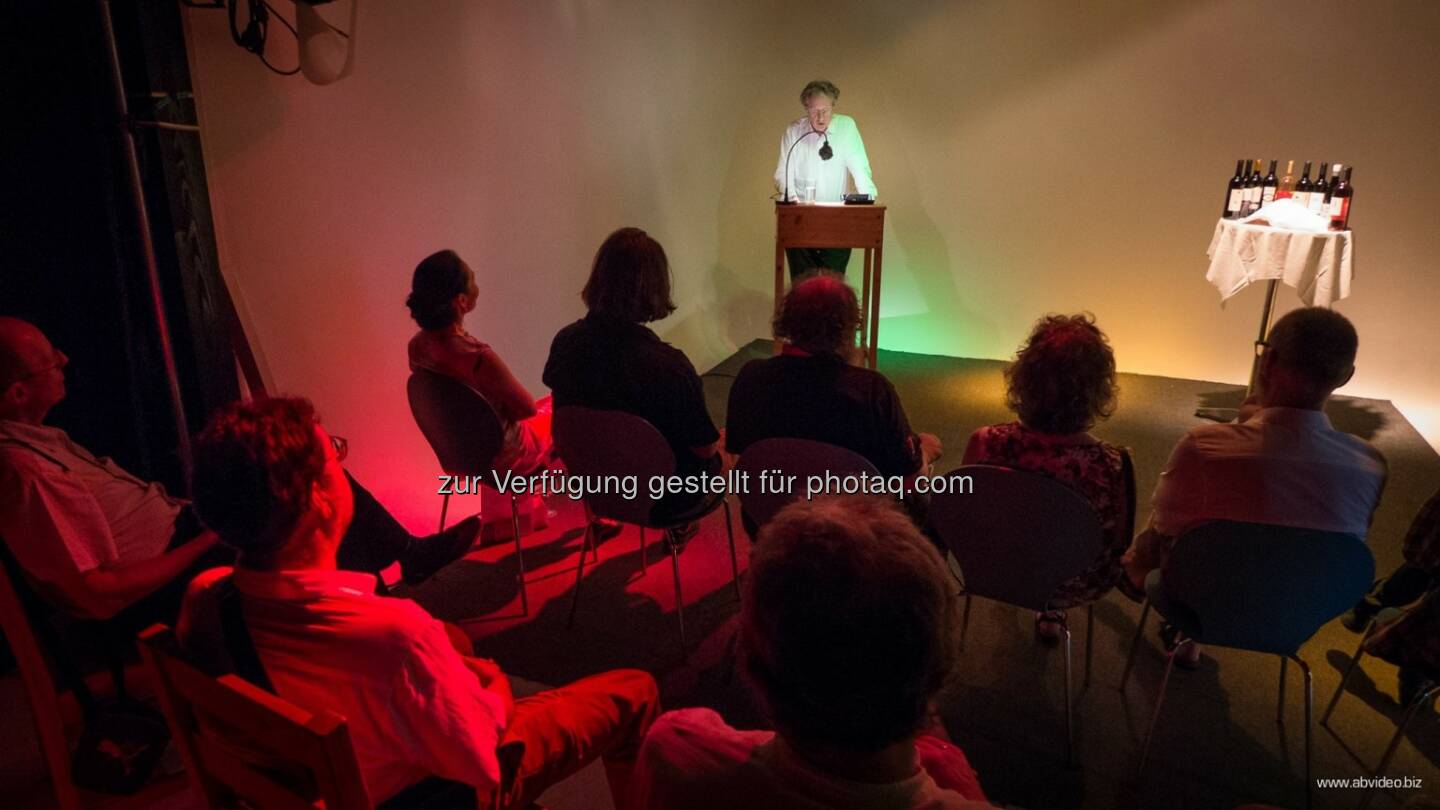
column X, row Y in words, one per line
column 1017, row 536
column 799, row 458
column 1424, row 696
column 466, row 435
column 615, row 443
column 1254, row 587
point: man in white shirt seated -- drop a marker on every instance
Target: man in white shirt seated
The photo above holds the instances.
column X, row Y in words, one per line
column 1281, row 463
column 823, row 150
column 268, row 480
column 102, row 543
column 848, row 630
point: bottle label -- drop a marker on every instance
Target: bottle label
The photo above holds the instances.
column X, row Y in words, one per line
column 1282, row 194
column 1342, row 221
column 1233, row 204
column 1337, row 204
column 1303, row 197
column 1317, row 203
column 1268, row 195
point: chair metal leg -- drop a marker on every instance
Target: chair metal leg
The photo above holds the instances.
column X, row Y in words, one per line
column 580, row 570
column 1089, row 641
column 643, row 564
column 965, row 622
column 1134, row 643
column 444, row 507
column 1280, row 701
column 1309, row 718
column 1422, row 698
column 520, row 556
column 679, row 599
column 1345, row 678
column 1069, row 705
column 734, row 563
column 1159, row 701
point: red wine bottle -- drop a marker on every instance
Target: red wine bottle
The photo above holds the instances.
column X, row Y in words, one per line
column 1341, row 193
column 1251, row 200
column 1302, row 188
column 1320, row 190
column 1234, row 191
column 1287, row 183
column 1268, row 186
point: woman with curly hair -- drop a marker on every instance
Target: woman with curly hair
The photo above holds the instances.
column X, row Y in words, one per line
column 1061, row 383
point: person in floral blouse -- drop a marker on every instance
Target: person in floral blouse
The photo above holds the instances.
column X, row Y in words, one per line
column 1060, row 384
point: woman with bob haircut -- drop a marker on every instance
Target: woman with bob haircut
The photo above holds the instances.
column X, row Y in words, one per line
column 610, row 360
column 442, row 292
column 848, row 632
column 1060, row 384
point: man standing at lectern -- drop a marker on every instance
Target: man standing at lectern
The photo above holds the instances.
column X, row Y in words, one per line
column 821, row 149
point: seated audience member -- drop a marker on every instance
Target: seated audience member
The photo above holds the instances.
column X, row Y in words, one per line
column 1413, row 641
column 1412, row 579
column 811, row 391
column 1061, row 382
column 103, row 544
column 442, row 292
column 609, row 360
column 1281, row 462
column 270, row 482
column 848, row 630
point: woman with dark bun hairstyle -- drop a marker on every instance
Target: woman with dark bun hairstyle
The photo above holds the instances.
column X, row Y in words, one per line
column 1060, row 384
column 442, row 292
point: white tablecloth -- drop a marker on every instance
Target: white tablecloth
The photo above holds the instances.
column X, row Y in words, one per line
column 1317, row 265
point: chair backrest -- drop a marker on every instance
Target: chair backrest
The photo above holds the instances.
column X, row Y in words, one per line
column 602, row 444
column 1265, row 588
column 800, row 458
column 225, row 728
column 1017, row 535
column 19, row 622
column 462, row 428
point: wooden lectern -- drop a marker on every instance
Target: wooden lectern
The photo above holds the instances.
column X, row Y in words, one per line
column 836, row 226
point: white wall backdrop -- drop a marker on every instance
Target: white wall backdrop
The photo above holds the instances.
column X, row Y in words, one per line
column 1034, row 157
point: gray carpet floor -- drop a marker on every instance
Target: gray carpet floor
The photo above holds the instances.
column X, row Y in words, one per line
column 1218, row 745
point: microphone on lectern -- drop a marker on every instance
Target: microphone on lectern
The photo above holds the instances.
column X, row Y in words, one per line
column 785, row 198
column 825, row 151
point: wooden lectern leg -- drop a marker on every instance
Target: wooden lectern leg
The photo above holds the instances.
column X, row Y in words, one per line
column 779, row 285
column 865, row 289
column 875, row 308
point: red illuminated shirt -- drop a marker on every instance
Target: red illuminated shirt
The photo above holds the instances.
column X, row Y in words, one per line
column 691, row 759
column 326, row 641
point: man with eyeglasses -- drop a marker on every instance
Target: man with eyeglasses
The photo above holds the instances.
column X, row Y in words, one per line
column 101, row 543
column 821, row 149
column 1280, row 463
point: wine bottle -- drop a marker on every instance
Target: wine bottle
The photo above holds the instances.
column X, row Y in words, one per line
column 1268, row 186
column 1251, row 199
column 1341, row 193
column 1302, row 188
column 1234, row 191
column 1287, row 183
column 1319, row 190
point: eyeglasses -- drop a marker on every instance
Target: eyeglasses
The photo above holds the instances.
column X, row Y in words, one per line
column 820, row 111
column 342, row 447
column 59, row 361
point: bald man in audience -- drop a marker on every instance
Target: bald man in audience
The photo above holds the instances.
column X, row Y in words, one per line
column 102, row 543
column 1281, row 463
